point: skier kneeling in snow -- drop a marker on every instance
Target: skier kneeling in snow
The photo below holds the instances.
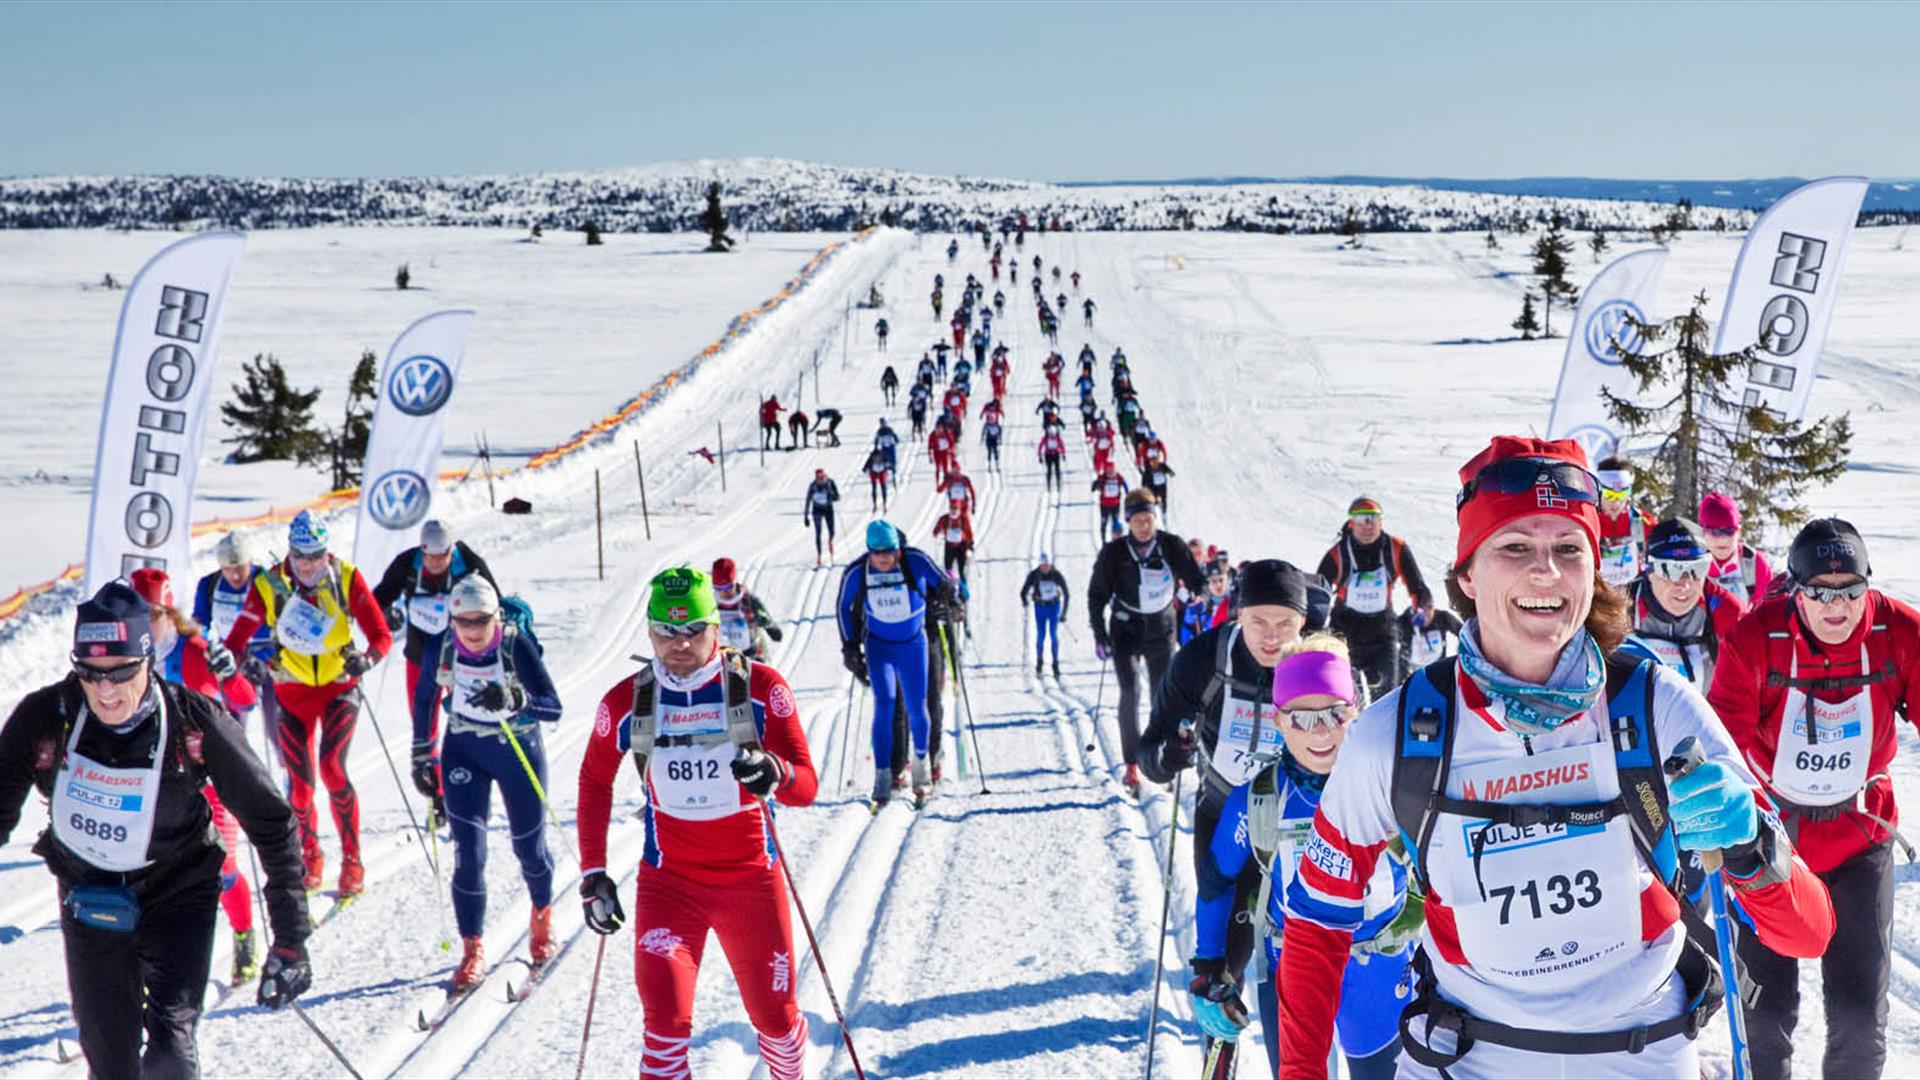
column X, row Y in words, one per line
column 1557, row 933
column 496, row 692
column 714, row 735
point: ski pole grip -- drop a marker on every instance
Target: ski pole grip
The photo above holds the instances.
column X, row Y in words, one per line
column 1686, row 757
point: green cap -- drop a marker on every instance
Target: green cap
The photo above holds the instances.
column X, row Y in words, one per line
column 682, row 595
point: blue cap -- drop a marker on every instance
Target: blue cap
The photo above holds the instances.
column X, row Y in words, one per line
column 306, row 534
column 1676, row 538
column 882, row 536
column 114, row 622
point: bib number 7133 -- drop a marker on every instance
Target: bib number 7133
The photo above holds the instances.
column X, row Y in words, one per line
column 1563, row 894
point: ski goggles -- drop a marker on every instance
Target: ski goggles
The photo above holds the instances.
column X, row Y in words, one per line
column 1679, row 569
column 676, row 630
column 1724, row 534
column 1833, row 594
column 473, row 622
column 119, row 673
column 1514, row 476
column 1310, row 720
column 1624, row 494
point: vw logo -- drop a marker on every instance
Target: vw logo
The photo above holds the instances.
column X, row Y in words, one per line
column 399, row 499
column 1597, row 441
column 1609, row 324
column 419, row 385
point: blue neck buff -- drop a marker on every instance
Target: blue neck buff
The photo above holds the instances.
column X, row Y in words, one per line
column 1577, row 681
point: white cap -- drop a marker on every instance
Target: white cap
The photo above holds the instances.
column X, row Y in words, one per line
column 473, row 595
column 232, row 551
column 435, row 537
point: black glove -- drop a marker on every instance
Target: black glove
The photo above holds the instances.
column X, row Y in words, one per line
column 856, row 663
column 259, row 672
column 357, row 663
column 221, row 662
column 396, row 616
column 1177, row 752
column 286, row 976
column 760, row 772
column 426, row 770
column 497, row 697
column 774, row 632
column 601, row 899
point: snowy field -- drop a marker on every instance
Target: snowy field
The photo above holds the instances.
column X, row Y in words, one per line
column 1006, row 932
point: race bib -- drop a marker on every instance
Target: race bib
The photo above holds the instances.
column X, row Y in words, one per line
column 1048, row 591
column 695, row 782
column 1619, row 560
column 735, row 631
column 1156, row 589
column 1829, row 767
column 104, row 813
column 303, row 628
column 1239, row 752
column 428, row 613
column 1368, row 591
column 891, row 604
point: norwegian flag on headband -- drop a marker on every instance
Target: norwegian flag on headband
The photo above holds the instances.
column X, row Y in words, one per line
column 1547, row 497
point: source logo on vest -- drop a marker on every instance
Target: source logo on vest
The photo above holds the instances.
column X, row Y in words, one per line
column 399, row 500
column 419, row 385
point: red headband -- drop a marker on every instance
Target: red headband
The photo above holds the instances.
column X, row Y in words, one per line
column 1483, row 514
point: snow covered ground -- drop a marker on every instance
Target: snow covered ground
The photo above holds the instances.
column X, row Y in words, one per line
column 1009, row 932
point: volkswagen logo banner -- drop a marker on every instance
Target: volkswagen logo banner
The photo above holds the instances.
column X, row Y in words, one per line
column 1623, row 289
column 409, row 428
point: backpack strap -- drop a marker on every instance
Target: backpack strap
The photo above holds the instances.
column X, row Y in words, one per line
column 643, row 718
column 1425, row 723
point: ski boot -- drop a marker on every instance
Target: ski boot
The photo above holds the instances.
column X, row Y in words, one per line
column 900, row 780
column 353, row 877
column 1132, row 781
column 473, row 965
column 1056, row 667
column 1037, row 666
column 922, row 781
column 540, row 944
column 245, row 963
column 316, row 863
column 882, row 788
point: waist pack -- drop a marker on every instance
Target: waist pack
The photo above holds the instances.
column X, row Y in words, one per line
column 104, row 907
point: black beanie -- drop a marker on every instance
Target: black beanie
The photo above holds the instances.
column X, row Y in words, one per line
column 1273, row 581
column 114, row 622
column 1827, row 546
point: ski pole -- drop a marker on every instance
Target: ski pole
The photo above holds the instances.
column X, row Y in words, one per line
column 953, row 673
column 973, row 730
column 1686, row 757
column 793, row 889
column 322, row 1036
column 419, row 834
column 1166, row 908
column 593, row 992
column 846, row 738
column 538, row 788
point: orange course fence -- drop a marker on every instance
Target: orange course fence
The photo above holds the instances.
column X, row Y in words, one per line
column 345, row 497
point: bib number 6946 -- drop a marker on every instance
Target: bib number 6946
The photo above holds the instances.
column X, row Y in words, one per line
column 1814, row 761
column 1563, row 894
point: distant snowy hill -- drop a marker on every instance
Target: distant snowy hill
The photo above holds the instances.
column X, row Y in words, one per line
column 766, row 194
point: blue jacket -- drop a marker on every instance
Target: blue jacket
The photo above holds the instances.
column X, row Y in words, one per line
column 524, row 665
column 261, row 644
column 922, row 579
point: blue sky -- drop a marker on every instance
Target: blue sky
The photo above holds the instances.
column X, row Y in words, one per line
column 1065, row 92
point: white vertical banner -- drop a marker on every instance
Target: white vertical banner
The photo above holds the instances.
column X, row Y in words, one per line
column 409, row 425
column 1784, row 286
column 156, row 409
column 1622, row 290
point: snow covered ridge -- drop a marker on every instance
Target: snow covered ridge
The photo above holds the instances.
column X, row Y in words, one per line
column 766, row 194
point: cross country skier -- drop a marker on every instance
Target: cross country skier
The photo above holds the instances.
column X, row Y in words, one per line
column 715, row 735
column 953, row 250
column 1811, row 684
column 890, row 380
column 1000, row 301
column 955, row 529
column 1076, row 280
column 1046, row 589
column 917, row 400
column 797, row 425
column 1112, row 488
column 1623, row 526
column 745, row 623
column 1425, row 636
column 1554, row 941
column 960, row 491
column 1738, row 567
column 940, row 351
column 885, row 595
column 311, row 603
column 940, row 451
column 1201, row 611
column 187, row 657
column 770, row 410
column 1680, row 617
column 817, row 511
column 880, row 331
column 496, row 692
column 1136, row 575
column 947, row 620
column 1154, row 470
column 217, row 600
column 1053, row 368
column 999, row 371
column 1053, row 455
column 414, row 591
column 1086, row 308
column 826, row 426
column 887, row 443
column 878, row 471
column 990, row 433
column 125, row 760
column 1364, row 564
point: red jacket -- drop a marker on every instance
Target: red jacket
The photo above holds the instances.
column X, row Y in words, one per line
column 770, row 411
column 1052, row 445
column 954, row 528
column 1764, row 644
column 939, row 444
column 1112, row 488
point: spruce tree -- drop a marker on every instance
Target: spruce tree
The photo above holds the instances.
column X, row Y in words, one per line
column 593, row 233
column 1350, row 228
column 402, row 277
column 272, row 420
column 1709, row 440
column 1527, row 323
column 347, row 447
column 1493, row 242
column 1550, row 263
column 714, row 221
column 1598, row 243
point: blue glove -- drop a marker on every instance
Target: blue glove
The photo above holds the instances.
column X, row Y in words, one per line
column 1712, row 808
column 1217, row 1008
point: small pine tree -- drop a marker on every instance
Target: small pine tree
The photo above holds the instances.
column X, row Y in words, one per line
column 536, row 230
column 593, row 233
column 1598, row 243
column 1708, row 440
column 272, row 420
column 1527, row 323
column 1493, row 242
column 1680, row 218
column 1350, row 228
column 347, row 448
column 714, row 221
column 1550, row 263
column 886, row 216
column 402, row 277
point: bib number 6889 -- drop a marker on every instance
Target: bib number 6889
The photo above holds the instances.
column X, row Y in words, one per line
column 99, row 830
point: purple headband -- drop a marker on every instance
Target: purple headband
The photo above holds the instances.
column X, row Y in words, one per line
column 1307, row 673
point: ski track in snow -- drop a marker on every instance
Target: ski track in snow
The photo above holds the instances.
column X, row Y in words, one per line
column 1005, row 933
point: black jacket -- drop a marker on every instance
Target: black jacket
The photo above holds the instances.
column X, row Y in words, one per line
column 1116, row 578
column 1028, row 588
column 185, row 846
column 1189, row 693
column 1348, row 555
column 404, row 574
column 809, row 507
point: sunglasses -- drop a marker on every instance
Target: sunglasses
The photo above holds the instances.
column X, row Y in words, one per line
column 1680, row 569
column 473, row 622
column 1513, row 476
column 119, row 673
column 676, row 630
column 1827, row 594
column 1623, row 494
column 1311, row 720
column 1723, row 533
